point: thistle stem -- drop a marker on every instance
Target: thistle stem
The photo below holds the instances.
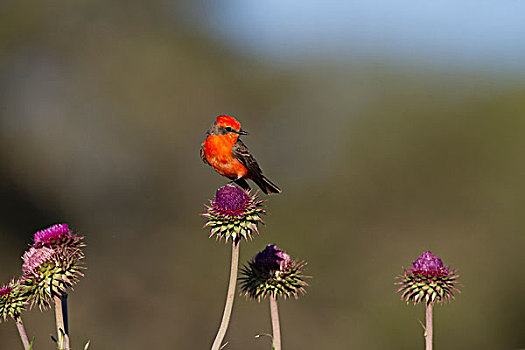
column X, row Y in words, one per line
column 23, row 334
column 276, row 329
column 428, row 328
column 61, row 317
column 229, row 298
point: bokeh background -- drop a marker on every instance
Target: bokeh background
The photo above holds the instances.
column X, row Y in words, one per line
column 392, row 127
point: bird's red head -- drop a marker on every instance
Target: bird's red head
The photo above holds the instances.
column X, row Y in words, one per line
column 225, row 120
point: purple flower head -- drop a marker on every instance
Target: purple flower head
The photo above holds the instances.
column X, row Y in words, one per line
column 233, row 213
column 429, row 264
column 273, row 272
column 57, row 235
column 428, row 280
column 230, row 200
column 52, row 235
column 34, row 258
column 272, row 258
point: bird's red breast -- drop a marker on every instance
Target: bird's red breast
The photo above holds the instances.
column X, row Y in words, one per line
column 218, row 152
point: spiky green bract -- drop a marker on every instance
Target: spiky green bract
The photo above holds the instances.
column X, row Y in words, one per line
column 428, row 280
column 234, row 213
column 272, row 272
column 13, row 300
column 51, row 274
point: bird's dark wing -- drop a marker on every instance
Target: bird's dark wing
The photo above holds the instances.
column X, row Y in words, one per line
column 241, row 152
column 243, row 155
column 203, row 157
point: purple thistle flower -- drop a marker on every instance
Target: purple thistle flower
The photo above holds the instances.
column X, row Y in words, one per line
column 429, row 280
column 429, row 264
column 57, row 235
column 272, row 258
column 52, row 264
column 273, row 272
column 51, row 234
column 233, row 213
column 230, row 200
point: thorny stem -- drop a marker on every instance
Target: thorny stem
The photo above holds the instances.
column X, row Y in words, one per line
column 229, row 298
column 22, row 332
column 62, row 321
column 428, row 328
column 276, row 329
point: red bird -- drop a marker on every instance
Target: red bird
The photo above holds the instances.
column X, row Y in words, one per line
column 229, row 156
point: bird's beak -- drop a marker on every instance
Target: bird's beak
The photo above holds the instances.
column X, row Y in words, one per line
column 242, row 132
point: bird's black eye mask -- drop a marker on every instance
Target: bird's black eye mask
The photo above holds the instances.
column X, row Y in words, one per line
column 225, row 130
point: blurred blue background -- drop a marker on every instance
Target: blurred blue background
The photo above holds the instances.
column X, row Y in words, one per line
column 392, row 128
column 464, row 34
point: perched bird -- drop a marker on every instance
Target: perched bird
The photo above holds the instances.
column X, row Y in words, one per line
column 229, row 156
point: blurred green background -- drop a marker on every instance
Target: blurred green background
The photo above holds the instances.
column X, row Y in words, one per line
column 104, row 104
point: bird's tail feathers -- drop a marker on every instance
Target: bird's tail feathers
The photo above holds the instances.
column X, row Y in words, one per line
column 266, row 185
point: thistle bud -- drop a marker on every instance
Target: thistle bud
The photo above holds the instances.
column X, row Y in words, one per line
column 13, row 300
column 52, row 264
column 273, row 272
column 429, row 280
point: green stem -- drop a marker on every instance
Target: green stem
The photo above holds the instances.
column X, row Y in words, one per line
column 428, row 329
column 229, row 298
column 276, row 329
column 62, row 321
column 22, row 332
